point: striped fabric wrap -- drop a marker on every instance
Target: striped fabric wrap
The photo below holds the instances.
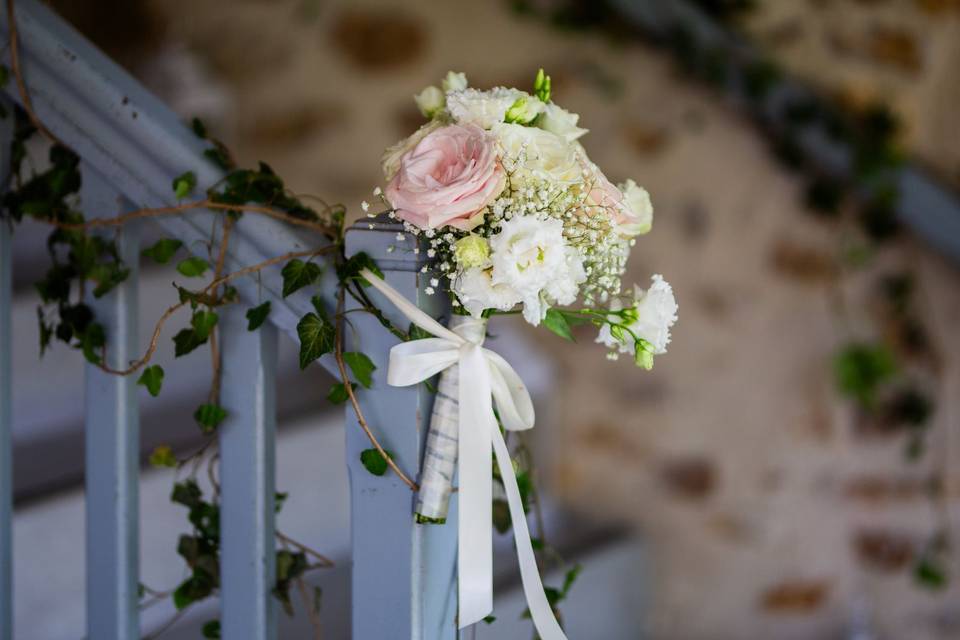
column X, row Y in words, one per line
column 440, row 455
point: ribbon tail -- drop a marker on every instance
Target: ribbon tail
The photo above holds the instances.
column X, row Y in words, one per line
column 540, row 609
column 475, row 553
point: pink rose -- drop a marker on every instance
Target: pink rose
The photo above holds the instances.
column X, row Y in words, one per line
column 447, row 178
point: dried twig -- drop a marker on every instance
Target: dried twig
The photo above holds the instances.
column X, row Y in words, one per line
column 155, row 338
column 18, row 76
column 348, row 387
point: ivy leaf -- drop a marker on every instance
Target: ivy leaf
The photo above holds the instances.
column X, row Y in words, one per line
column 316, row 338
column 163, row 249
column 93, row 339
column 361, row 366
column 162, row 456
column 203, row 323
column 209, row 416
column 199, row 129
column 279, row 498
column 257, row 315
column 501, row 516
column 184, row 184
column 298, row 274
column 186, row 493
column 211, row 630
column 185, row 341
column 557, row 322
column 350, row 270
column 930, row 573
column 374, row 462
column 193, row 267
column 860, row 369
column 152, row 379
column 337, row 394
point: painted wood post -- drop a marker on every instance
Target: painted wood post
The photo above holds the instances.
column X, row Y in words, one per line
column 247, row 463
column 404, row 574
column 113, row 439
column 6, row 414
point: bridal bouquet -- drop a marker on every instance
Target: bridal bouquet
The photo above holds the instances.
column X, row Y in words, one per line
column 516, row 215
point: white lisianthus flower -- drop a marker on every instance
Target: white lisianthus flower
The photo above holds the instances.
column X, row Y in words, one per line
column 486, row 108
column 545, row 155
column 390, row 161
column 638, row 218
column 532, row 257
column 654, row 311
column 561, row 122
column 454, row 81
column 430, row 101
column 476, row 292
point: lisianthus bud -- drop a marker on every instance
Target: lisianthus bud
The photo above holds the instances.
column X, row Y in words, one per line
column 524, row 110
column 430, row 101
column 454, row 81
column 471, row 251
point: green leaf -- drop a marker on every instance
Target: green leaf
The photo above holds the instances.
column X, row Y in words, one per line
column 211, row 630
column 337, row 393
column 570, row 577
column 91, row 341
column 209, row 416
column 361, row 366
column 184, row 184
column 203, row 323
column 930, row 574
column 501, row 516
column 152, row 379
column 860, row 369
column 193, row 267
column 163, row 249
column 186, row 493
column 257, row 315
column 199, row 129
column 298, row 274
column 316, row 338
column 557, row 322
column 490, row 619
column 374, row 462
column 350, row 270
column 279, row 498
column 162, row 456
column 185, row 341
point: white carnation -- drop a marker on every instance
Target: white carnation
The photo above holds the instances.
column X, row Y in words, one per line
column 532, row 257
column 487, row 108
column 561, row 122
column 656, row 312
column 454, row 81
column 543, row 154
column 476, row 291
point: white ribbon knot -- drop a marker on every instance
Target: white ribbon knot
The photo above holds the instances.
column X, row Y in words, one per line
column 483, row 375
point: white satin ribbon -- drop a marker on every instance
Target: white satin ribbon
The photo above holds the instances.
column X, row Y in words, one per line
column 483, row 374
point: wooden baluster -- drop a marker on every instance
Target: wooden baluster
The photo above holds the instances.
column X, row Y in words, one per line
column 247, row 475
column 404, row 574
column 113, row 439
column 6, row 382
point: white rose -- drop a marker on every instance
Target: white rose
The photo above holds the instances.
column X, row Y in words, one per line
column 656, row 312
column 483, row 108
column 390, row 160
column 545, row 155
column 430, row 101
column 561, row 122
column 477, row 292
column 638, row 210
column 454, row 81
column 532, row 257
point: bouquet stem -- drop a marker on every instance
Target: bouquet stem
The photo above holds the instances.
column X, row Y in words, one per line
column 440, row 455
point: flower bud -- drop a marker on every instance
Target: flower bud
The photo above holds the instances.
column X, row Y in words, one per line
column 471, row 251
column 430, row 101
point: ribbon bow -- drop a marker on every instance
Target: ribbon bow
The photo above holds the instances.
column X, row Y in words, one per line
column 483, row 375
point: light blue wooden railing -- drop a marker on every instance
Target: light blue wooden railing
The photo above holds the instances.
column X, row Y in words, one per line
column 131, row 147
